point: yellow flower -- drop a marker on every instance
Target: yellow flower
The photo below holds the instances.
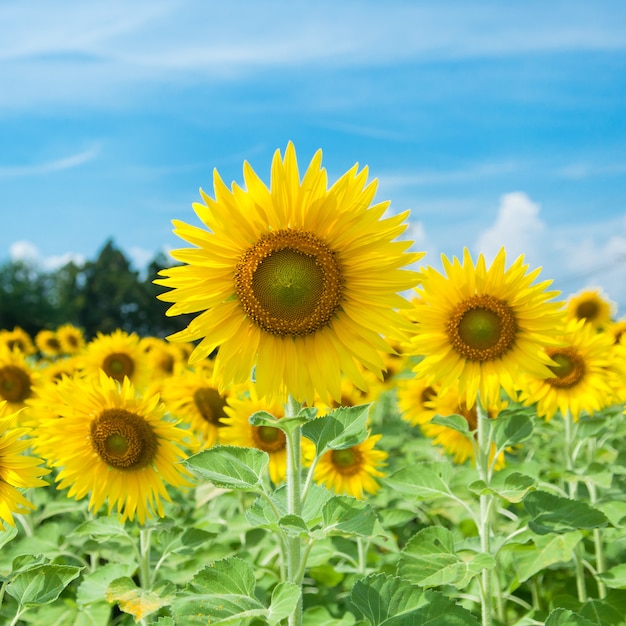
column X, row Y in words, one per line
column 18, row 339
column 48, row 343
column 16, row 377
column 17, row 470
column 592, row 306
column 71, row 339
column 415, row 400
column 239, row 432
column 477, row 328
column 192, row 397
column 298, row 279
column 583, row 377
column 119, row 356
column 352, row 471
column 113, row 444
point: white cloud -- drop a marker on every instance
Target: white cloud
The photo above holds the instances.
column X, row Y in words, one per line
column 518, row 228
column 57, row 165
column 28, row 252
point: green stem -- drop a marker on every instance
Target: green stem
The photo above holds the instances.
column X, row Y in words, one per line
column 145, row 577
column 295, row 569
column 572, row 487
column 485, row 502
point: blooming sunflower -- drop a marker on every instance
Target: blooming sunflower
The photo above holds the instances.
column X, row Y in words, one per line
column 71, row 338
column 478, row 327
column 590, row 305
column 18, row 339
column 113, row 444
column 119, row 356
column 16, row 377
column 297, row 279
column 238, row 431
column 583, row 377
column 352, row 471
column 617, row 330
column 415, row 400
column 48, row 343
column 192, row 397
column 17, row 470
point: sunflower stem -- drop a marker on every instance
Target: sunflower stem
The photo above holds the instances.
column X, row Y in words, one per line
column 485, row 504
column 598, row 535
column 145, row 577
column 295, row 567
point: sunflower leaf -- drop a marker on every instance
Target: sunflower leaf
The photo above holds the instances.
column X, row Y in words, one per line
column 512, row 487
column 230, row 467
column 430, row 559
column 41, row 584
column 284, row 602
column 348, row 516
column 136, row 601
column 455, row 422
column 342, row 428
column 423, row 480
column 286, row 424
column 564, row 617
column 392, row 601
column 550, row 513
column 512, row 428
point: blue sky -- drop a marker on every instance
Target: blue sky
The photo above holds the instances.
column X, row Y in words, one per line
column 496, row 123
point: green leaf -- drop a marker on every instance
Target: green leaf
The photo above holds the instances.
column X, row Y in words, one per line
column 615, row 577
column 429, row 560
column 230, row 467
column 7, row 534
column 542, row 552
column 221, row 593
column 102, row 529
column 94, row 585
column 284, row 602
column 318, row 615
column 342, row 428
column 293, row 525
column 511, row 487
column 563, row 617
column 136, row 601
column 455, row 422
column 392, row 601
column 602, row 613
column 512, row 428
column 286, row 424
column 422, row 480
column 41, row 584
column 550, row 513
column 348, row 516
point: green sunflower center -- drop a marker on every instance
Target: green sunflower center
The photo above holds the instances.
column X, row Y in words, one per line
column 15, row 383
column 569, row 369
column 588, row 309
column 482, row 328
column 117, row 365
column 289, row 283
column 347, row 462
column 210, row 404
column 268, row 438
column 123, row 439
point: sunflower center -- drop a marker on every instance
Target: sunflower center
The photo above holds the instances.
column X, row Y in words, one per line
column 482, row 328
column 268, row 438
column 569, row 369
column 289, row 283
column 470, row 415
column 428, row 394
column 123, row 440
column 117, row 365
column 14, row 384
column 587, row 310
column 210, row 404
column 347, row 462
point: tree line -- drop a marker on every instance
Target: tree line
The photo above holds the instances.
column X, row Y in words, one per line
column 97, row 296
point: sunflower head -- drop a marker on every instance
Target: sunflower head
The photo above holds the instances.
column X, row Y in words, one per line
column 16, row 377
column 592, row 306
column 71, row 339
column 47, row 342
column 18, row 339
column 297, row 279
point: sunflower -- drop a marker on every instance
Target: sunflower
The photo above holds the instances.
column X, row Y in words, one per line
column 18, row 339
column 111, row 443
column 16, row 377
column 48, row 343
column 239, row 432
column 17, row 470
column 119, row 356
column 192, row 397
column 455, row 443
column 477, row 328
column 297, row 279
column 617, row 330
column 415, row 400
column 352, row 471
column 71, row 338
column 583, row 378
column 164, row 358
column 590, row 305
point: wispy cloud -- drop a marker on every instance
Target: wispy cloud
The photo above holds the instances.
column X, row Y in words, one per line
column 37, row 169
column 581, row 171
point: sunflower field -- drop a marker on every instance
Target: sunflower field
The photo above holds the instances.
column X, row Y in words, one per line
column 340, row 434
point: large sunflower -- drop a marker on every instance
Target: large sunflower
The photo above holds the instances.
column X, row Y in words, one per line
column 17, row 470
column 584, row 378
column 298, row 279
column 478, row 327
column 113, row 444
